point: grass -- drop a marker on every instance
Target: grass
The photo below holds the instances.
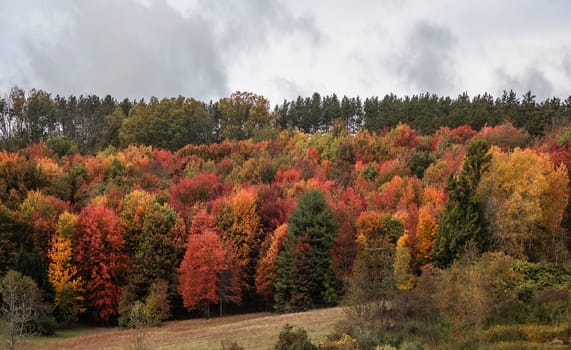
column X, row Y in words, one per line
column 252, row 331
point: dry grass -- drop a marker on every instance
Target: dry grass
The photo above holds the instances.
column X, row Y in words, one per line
column 252, row 331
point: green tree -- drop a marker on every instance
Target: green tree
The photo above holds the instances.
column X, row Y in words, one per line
column 168, row 123
column 243, row 114
column 463, row 221
column 111, row 127
column 307, row 256
column 62, row 146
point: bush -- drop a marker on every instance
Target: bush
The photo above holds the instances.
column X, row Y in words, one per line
column 45, row 325
column 291, row 339
column 62, row 146
column 345, row 342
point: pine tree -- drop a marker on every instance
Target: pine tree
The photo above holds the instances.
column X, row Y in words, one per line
column 313, row 223
column 463, row 221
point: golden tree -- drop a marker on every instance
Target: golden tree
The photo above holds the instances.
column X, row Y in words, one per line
column 62, row 273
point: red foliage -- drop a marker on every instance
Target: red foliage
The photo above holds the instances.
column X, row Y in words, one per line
column 207, row 273
column 225, row 167
column 101, row 259
column 391, row 168
column 506, row 136
column 43, row 217
column 271, row 208
column 288, row 176
column 344, row 250
column 445, row 137
column 349, row 205
column 38, row 150
column 187, row 192
column 202, row 222
column 405, row 136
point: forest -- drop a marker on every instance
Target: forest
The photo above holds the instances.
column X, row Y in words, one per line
column 432, row 219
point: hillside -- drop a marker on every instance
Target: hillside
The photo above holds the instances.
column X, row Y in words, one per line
column 141, row 235
column 252, row 331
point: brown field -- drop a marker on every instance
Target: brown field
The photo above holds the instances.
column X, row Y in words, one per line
column 252, row 331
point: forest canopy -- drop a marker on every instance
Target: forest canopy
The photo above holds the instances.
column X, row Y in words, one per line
column 175, row 204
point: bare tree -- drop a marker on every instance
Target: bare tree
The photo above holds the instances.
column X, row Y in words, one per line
column 21, row 302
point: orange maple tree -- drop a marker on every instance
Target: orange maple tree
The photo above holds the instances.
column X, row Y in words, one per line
column 208, row 273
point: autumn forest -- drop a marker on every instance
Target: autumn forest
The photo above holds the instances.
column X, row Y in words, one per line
column 416, row 212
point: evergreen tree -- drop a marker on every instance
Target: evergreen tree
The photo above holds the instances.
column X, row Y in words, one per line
column 462, row 221
column 306, row 258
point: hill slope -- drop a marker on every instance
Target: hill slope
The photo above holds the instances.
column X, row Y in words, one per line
column 252, row 331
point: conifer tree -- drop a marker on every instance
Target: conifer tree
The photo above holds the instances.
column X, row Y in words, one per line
column 463, row 221
column 313, row 223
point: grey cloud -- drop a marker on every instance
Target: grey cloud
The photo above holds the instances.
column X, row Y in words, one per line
column 125, row 48
column 288, row 88
column 532, row 79
column 567, row 65
column 426, row 61
column 249, row 23
column 134, row 49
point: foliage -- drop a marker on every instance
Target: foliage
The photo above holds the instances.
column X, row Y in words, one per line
column 208, row 273
column 63, row 274
column 62, row 146
column 293, row 339
column 101, row 259
column 369, row 214
column 266, row 269
column 166, row 123
column 307, row 256
column 463, row 220
column 371, row 287
column 402, row 271
column 525, row 212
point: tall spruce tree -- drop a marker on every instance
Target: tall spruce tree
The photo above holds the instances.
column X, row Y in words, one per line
column 306, row 258
column 462, row 222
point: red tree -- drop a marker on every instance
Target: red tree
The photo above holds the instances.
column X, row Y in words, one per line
column 187, row 192
column 101, row 258
column 208, row 273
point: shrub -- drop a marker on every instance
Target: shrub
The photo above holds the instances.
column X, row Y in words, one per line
column 290, row 339
column 345, row 342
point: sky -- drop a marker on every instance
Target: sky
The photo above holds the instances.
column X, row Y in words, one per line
column 281, row 49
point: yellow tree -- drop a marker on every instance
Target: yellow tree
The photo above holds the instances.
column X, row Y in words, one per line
column 404, row 278
column 245, row 234
column 524, row 195
column 62, row 274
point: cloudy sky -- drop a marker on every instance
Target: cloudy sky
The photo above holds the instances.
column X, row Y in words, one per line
column 281, row 49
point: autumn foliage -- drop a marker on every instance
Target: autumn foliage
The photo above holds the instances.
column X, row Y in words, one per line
column 283, row 222
column 102, row 261
column 208, row 273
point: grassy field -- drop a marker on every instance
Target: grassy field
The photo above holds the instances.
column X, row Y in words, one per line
column 252, row 331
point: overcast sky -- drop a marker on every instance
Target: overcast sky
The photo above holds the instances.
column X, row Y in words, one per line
column 281, row 49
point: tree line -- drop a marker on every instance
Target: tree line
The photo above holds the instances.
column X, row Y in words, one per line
column 94, row 123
